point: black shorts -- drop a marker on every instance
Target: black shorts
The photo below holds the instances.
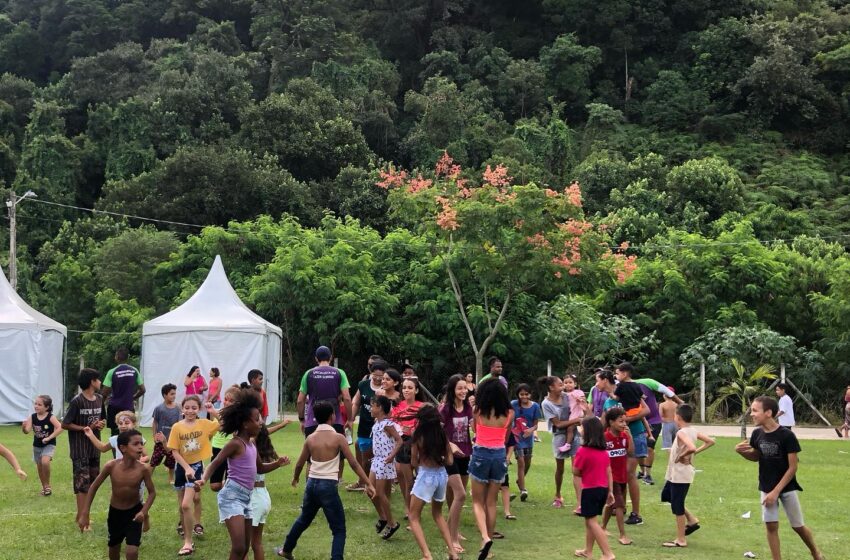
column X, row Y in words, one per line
column 218, row 475
column 656, row 432
column 403, row 455
column 675, row 493
column 593, row 501
column 459, row 466
column 122, row 528
column 111, row 411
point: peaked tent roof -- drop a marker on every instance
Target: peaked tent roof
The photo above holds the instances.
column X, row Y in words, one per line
column 214, row 307
column 15, row 313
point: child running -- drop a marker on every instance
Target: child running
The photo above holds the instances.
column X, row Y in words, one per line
column 45, row 429
column 488, row 466
column 386, row 443
column 219, row 440
column 13, row 461
column 165, row 415
column 593, row 466
column 775, row 448
column 527, row 414
column 261, row 501
column 680, row 474
column 457, row 418
column 430, row 453
column 242, row 419
column 405, row 416
column 190, row 443
column 323, row 448
column 126, row 511
column 620, row 446
column 577, row 398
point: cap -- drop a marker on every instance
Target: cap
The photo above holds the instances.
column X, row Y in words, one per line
column 323, row 353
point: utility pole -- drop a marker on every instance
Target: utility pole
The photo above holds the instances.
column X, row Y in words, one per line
column 12, row 204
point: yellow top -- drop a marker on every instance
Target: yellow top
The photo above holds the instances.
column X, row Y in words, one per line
column 192, row 441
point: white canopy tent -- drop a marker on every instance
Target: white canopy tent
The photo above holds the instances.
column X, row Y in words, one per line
column 32, row 348
column 213, row 328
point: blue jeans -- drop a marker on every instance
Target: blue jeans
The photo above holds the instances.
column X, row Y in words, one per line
column 320, row 494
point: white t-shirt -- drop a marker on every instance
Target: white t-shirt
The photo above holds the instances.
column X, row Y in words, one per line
column 786, row 406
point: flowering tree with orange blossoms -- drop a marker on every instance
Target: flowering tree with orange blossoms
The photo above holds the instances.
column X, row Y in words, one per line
column 497, row 240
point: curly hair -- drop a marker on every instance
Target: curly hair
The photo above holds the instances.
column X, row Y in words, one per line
column 491, row 398
column 232, row 417
column 429, row 436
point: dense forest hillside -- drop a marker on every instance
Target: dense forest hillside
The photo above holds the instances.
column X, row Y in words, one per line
column 710, row 136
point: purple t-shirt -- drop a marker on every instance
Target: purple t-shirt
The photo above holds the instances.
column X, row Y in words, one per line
column 654, row 417
column 456, row 425
column 323, row 383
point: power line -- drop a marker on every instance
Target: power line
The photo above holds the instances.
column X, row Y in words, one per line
column 635, row 247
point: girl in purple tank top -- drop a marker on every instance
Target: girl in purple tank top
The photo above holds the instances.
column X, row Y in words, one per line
column 242, row 418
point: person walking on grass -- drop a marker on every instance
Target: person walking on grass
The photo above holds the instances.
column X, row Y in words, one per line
column 45, row 429
column 386, row 443
column 431, row 453
column 84, row 410
column 556, row 410
column 243, row 419
column 619, row 444
column 527, row 414
column 126, row 510
column 456, row 416
column 122, row 386
column 775, row 448
column 488, row 465
column 323, row 449
column 680, row 474
column 165, row 415
column 7, row 454
column 593, row 466
column 189, row 442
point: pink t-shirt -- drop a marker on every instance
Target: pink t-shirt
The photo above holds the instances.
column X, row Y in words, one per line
column 577, row 399
column 593, row 464
column 194, row 388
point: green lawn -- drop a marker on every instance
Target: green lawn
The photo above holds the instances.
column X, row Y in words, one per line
column 39, row 527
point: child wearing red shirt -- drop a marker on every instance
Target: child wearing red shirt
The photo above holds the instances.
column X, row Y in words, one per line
column 619, row 443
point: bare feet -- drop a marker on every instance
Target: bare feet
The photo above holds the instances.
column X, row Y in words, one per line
column 21, row 474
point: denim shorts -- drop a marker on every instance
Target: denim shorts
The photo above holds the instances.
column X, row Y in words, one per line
column 364, row 444
column 261, row 505
column 46, row 451
column 234, row 499
column 488, row 464
column 180, row 480
column 430, row 484
column 641, row 447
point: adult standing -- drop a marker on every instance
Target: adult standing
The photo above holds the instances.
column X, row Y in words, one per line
column 214, row 395
column 650, row 387
column 121, row 387
column 367, row 388
column 495, row 371
column 195, row 383
column 323, row 383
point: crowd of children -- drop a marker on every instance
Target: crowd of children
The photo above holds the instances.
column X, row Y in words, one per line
column 432, row 450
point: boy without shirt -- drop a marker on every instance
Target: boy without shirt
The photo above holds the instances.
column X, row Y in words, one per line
column 323, row 448
column 775, row 448
column 126, row 512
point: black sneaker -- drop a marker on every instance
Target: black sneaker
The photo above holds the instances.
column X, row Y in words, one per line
column 648, row 480
column 640, row 475
column 523, row 495
column 634, row 519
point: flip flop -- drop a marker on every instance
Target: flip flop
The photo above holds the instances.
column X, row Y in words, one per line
column 485, row 550
column 581, row 554
column 187, row 550
column 198, row 529
column 497, row 535
column 391, row 531
column 673, row 544
column 510, row 517
column 691, row 528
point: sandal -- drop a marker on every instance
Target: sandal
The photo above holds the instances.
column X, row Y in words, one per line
column 379, row 525
column 180, row 530
column 510, row 517
column 485, row 550
column 673, row 544
column 390, row 531
column 47, row 491
column 691, row 528
column 187, row 550
column 198, row 530
column 282, row 553
column 558, row 503
column 497, row 535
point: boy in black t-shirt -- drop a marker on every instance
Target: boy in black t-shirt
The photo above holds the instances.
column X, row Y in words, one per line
column 775, row 448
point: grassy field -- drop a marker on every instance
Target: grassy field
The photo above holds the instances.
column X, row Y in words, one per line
column 39, row 527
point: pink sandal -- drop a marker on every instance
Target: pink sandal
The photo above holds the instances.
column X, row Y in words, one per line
column 558, row 503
